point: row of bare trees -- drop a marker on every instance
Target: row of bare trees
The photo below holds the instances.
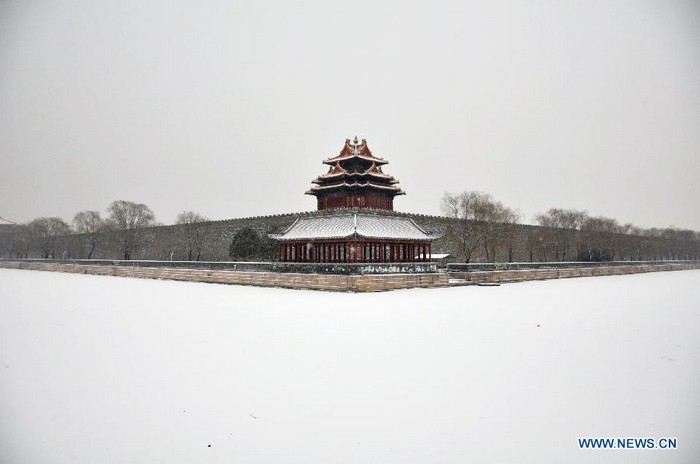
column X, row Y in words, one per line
column 574, row 235
column 125, row 225
column 479, row 221
column 481, row 227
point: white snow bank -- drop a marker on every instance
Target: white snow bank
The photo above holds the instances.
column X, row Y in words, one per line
column 101, row 369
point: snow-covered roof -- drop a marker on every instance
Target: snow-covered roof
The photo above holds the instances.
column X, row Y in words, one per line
column 355, row 174
column 5, row 222
column 356, row 149
column 355, row 155
column 357, row 185
column 348, row 225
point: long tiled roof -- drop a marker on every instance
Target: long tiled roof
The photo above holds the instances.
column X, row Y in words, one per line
column 349, row 225
column 5, row 222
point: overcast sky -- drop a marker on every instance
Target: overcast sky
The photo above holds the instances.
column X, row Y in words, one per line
column 227, row 108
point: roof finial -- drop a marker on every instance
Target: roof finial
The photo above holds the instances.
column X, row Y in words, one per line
column 355, row 141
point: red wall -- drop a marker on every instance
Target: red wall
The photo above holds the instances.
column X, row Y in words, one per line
column 356, row 200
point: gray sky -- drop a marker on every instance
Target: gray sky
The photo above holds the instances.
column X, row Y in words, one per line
column 227, row 108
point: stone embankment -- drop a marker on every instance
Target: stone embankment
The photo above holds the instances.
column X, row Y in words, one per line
column 520, row 275
column 342, row 282
column 332, row 282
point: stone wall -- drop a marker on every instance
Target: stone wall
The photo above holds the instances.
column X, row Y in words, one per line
column 471, row 267
column 245, row 266
column 338, row 283
column 519, row 275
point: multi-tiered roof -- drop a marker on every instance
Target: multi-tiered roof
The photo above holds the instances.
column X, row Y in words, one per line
column 353, row 233
column 355, row 179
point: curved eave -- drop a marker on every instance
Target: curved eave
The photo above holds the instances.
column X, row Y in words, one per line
column 368, row 185
column 388, row 177
column 377, row 161
column 427, row 238
column 280, row 238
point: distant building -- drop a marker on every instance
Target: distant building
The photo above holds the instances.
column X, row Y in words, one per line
column 441, row 258
column 358, row 195
column 5, row 224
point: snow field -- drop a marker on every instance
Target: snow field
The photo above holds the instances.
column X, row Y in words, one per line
column 104, row 369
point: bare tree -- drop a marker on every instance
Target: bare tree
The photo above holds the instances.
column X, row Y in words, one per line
column 192, row 233
column 478, row 221
column 562, row 226
column 45, row 232
column 128, row 219
column 21, row 241
column 600, row 236
column 507, row 231
column 464, row 231
column 498, row 223
column 89, row 223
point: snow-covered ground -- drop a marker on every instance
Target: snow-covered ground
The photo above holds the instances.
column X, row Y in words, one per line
column 113, row 370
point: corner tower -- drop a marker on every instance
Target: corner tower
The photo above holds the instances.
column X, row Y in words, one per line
column 355, row 180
